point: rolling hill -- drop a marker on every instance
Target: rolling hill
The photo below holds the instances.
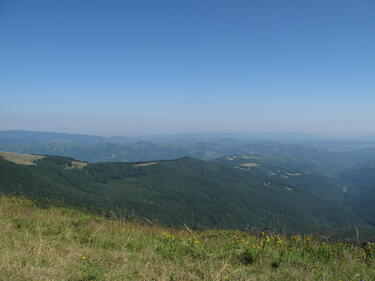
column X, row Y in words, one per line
column 188, row 191
column 122, row 149
column 294, row 173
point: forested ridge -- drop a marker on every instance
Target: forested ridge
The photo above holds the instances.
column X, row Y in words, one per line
column 180, row 192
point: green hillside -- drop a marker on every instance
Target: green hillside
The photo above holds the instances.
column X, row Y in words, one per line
column 361, row 190
column 188, row 191
column 294, row 173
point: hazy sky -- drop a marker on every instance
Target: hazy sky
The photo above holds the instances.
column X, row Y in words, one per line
column 139, row 67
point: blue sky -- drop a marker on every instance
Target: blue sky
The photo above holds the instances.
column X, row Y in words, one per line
column 146, row 67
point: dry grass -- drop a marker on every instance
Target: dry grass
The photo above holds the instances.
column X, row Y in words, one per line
column 231, row 158
column 144, row 164
column 30, row 159
column 60, row 244
column 294, row 174
column 76, row 165
column 249, row 165
column 23, row 159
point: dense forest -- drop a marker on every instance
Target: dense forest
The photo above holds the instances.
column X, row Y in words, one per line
column 223, row 182
column 187, row 191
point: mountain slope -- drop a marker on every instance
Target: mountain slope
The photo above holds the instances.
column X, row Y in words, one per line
column 43, row 244
column 294, row 173
column 361, row 190
column 191, row 191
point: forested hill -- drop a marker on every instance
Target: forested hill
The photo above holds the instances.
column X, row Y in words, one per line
column 188, row 191
column 294, row 173
column 361, row 190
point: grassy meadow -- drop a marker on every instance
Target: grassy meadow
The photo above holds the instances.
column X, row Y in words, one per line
column 62, row 244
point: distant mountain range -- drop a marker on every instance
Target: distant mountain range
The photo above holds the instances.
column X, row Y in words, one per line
column 224, row 183
column 209, row 147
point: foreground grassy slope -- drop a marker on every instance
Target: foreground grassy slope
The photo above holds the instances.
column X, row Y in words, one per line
column 199, row 193
column 62, row 244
